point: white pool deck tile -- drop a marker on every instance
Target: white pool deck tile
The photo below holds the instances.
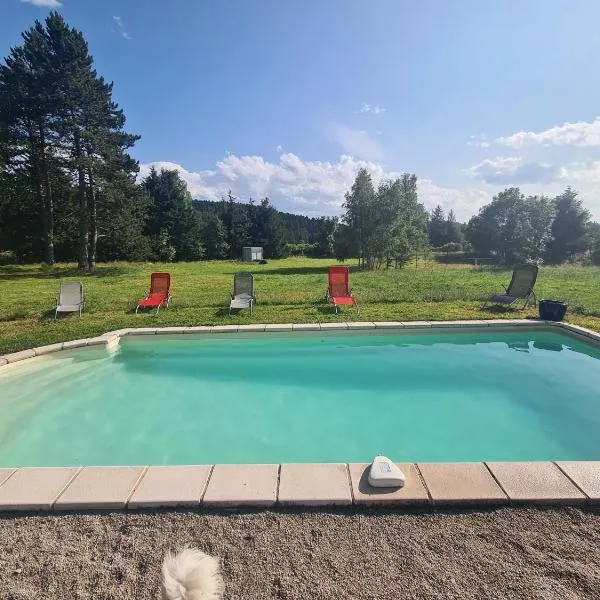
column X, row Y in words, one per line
column 536, row 482
column 585, row 474
column 278, row 327
column 459, row 324
column 5, row 474
column 170, row 330
column 167, row 486
column 360, row 324
column 580, row 330
column 75, row 344
column 306, row 327
column 388, row 324
column 199, row 329
column 416, row 324
column 100, row 488
column 461, row 483
column 334, row 326
column 514, row 323
column 143, row 331
column 3, row 361
column 33, row 488
column 242, row 485
column 314, row 484
column 259, row 327
column 225, row 329
column 97, row 341
column 413, row 491
column 18, row 356
column 42, row 350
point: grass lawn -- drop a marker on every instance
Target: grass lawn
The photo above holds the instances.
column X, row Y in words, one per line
column 289, row 291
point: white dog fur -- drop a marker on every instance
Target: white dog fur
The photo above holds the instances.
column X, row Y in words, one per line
column 191, row 575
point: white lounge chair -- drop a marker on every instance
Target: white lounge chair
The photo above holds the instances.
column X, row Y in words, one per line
column 70, row 298
column 243, row 292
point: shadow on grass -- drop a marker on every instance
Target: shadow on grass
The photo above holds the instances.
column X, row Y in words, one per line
column 11, row 272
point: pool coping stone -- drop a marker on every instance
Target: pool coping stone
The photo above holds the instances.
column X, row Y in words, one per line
column 540, row 482
column 413, row 492
column 242, row 485
column 100, row 488
column 35, row 488
column 461, row 483
column 168, row 486
column 428, row 485
column 314, row 484
column 585, row 474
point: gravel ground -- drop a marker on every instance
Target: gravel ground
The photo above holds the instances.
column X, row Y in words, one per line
column 509, row 553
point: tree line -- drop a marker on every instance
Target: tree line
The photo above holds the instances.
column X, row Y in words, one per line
column 518, row 228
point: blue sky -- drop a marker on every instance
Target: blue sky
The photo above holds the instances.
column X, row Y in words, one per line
column 289, row 98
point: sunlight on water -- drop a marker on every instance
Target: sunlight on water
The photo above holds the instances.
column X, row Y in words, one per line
column 461, row 396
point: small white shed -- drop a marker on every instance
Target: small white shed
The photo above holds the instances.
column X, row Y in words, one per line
column 252, row 253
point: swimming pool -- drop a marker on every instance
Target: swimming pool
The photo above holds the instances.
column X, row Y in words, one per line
column 459, row 395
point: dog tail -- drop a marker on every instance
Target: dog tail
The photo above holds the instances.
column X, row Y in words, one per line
column 191, row 575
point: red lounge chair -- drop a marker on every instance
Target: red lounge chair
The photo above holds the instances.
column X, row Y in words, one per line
column 160, row 292
column 338, row 291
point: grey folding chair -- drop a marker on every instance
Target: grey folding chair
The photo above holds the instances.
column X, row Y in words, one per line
column 243, row 292
column 519, row 288
column 70, row 298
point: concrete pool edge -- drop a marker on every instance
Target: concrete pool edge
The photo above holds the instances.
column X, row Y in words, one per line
column 429, row 485
column 111, row 339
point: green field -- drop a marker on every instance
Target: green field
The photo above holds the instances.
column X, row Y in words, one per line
column 289, row 291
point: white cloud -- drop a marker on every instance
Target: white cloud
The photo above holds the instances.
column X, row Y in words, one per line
column 279, row 148
column 356, row 142
column 122, row 31
column 47, row 3
column 371, row 108
column 480, row 141
column 513, row 170
column 580, row 133
column 307, row 187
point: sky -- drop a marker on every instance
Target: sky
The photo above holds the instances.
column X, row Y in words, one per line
column 289, row 98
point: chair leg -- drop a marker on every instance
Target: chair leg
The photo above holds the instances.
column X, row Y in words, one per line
column 137, row 308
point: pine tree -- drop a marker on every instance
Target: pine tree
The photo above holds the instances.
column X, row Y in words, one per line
column 215, row 238
column 453, row 231
column 267, row 229
column 171, row 211
column 437, row 227
column 568, row 228
column 59, row 116
column 29, row 102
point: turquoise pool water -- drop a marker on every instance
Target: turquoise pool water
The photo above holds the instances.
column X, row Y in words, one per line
column 455, row 396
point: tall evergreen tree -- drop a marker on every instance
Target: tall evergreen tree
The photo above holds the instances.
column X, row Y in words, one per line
column 29, row 103
column 215, row 238
column 171, row 213
column 436, row 227
column 58, row 116
column 267, row 229
column 453, row 231
column 568, row 228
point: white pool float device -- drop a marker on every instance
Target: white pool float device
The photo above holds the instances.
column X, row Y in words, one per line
column 385, row 473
